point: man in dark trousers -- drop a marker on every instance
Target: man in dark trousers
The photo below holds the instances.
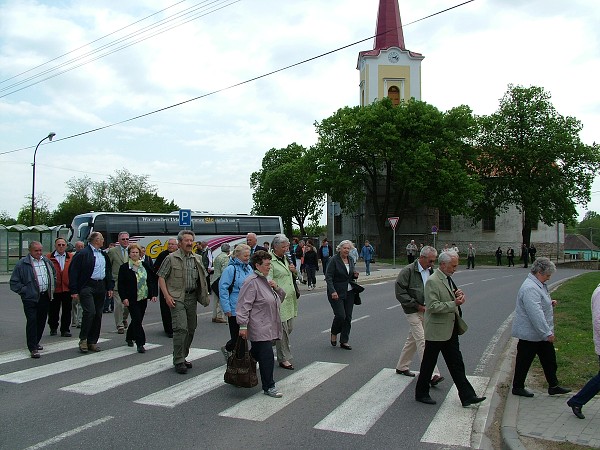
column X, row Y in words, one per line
column 33, row 278
column 90, row 280
column 165, row 311
column 443, row 323
column 61, row 260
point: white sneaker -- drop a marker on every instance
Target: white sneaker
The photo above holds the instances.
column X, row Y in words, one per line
column 273, row 392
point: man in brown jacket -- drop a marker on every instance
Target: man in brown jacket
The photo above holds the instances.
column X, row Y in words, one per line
column 61, row 260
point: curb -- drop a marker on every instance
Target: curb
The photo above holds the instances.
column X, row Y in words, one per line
column 508, row 428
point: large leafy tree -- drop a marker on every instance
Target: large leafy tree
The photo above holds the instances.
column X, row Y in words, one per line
column 588, row 227
column 121, row 192
column 5, row 218
column 286, row 186
column 532, row 157
column 398, row 158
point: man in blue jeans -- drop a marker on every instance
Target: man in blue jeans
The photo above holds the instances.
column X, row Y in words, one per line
column 366, row 254
column 592, row 387
column 325, row 252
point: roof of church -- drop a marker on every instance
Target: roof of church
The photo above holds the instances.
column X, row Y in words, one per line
column 388, row 32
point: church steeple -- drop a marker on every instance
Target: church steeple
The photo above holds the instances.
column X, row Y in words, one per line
column 389, row 70
column 388, row 32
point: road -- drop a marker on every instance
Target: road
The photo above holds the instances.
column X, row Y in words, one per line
column 335, row 398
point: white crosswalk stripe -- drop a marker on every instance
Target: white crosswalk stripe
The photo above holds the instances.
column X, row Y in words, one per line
column 366, row 405
column 17, row 355
column 259, row 407
column 38, row 372
column 105, row 382
column 186, row 390
column 452, row 425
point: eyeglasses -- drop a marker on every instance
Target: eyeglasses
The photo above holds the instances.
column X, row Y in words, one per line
column 124, row 239
column 61, row 245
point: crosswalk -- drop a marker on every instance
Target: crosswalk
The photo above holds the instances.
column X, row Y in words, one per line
column 366, row 405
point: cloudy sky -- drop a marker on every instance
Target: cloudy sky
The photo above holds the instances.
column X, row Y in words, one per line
column 201, row 154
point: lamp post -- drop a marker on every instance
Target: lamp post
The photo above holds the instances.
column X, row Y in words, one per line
column 49, row 137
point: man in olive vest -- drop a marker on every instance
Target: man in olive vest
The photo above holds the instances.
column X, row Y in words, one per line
column 182, row 280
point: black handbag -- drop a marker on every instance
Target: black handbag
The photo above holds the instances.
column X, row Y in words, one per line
column 241, row 372
column 357, row 289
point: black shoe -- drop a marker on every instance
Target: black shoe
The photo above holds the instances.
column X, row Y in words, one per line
column 187, row 364
column 406, row 373
column 576, row 410
column 129, row 343
column 141, row 349
column 437, row 379
column 558, row 390
column 39, row 347
column 180, row 368
column 426, row 399
column 472, row 401
column 53, row 332
column 345, row 346
column 522, row 392
column 105, row 311
column 35, row 354
column 65, row 334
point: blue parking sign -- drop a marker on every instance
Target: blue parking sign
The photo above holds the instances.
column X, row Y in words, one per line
column 185, row 217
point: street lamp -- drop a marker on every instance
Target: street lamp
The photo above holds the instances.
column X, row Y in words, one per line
column 49, row 137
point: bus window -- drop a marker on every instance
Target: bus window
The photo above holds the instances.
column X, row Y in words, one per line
column 173, row 227
column 270, row 225
column 115, row 225
column 203, row 225
column 227, row 225
column 152, row 226
column 249, row 225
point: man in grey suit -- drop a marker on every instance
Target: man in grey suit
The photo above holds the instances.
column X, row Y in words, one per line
column 443, row 324
column 118, row 256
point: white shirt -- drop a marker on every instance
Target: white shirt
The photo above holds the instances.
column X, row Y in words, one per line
column 61, row 259
column 41, row 273
column 424, row 273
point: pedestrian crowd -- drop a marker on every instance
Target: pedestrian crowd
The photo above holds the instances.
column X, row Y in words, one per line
column 255, row 291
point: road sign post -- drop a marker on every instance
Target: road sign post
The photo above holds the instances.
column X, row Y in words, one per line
column 393, row 222
column 434, row 230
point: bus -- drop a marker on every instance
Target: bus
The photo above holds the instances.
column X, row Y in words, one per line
column 153, row 230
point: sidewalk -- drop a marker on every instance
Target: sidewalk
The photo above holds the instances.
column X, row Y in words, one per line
column 545, row 416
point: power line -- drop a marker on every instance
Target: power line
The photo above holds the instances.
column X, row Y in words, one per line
column 241, row 83
column 114, row 43
column 89, row 43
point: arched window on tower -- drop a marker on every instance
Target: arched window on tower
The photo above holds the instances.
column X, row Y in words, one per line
column 394, row 95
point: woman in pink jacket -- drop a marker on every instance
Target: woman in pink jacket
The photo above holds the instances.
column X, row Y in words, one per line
column 257, row 313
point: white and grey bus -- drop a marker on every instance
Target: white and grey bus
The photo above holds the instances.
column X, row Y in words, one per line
column 152, row 230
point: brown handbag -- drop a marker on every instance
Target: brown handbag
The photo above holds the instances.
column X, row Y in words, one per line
column 241, row 372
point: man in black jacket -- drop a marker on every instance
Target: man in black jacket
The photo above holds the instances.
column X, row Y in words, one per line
column 90, row 280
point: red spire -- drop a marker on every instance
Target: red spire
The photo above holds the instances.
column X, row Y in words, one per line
column 389, row 26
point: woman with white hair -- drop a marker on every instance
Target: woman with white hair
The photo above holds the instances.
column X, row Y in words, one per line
column 534, row 326
column 338, row 275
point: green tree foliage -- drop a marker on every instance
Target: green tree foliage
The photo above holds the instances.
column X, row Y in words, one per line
column 532, row 157
column 42, row 211
column 286, row 186
column 402, row 157
column 122, row 191
column 588, row 227
column 5, row 218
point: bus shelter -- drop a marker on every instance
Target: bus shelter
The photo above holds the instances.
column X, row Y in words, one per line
column 15, row 239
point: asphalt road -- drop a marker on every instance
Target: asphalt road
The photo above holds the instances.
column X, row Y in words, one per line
column 342, row 399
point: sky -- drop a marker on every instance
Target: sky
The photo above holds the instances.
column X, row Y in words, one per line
column 201, row 154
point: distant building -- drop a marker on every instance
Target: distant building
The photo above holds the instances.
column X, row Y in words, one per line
column 390, row 70
column 581, row 248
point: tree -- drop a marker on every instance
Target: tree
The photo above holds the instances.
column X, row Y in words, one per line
column 5, row 218
column 532, row 157
column 287, row 187
column 121, row 192
column 400, row 157
column 43, row 215
column 589, row 227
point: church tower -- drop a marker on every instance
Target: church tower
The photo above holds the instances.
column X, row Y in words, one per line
column 389, row 70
